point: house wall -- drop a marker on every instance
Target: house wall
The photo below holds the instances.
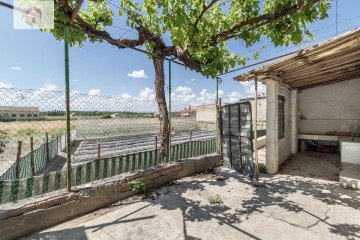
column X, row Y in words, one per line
column 20, row 115
column 206, row 113
column 285, row 143
column 333, row 107
column 278, row 150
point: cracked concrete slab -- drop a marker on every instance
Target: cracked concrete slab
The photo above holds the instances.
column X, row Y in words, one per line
column 289, row 207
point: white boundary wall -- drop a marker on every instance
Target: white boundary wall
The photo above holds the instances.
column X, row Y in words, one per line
column 333, row 107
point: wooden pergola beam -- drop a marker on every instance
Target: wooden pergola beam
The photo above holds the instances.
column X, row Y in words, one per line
column 321, row 68
column 294, row 65
column 334, row 78
column 344, row 67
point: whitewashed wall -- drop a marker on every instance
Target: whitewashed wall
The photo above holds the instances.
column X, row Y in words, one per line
column 285, row 143
column 206, row 113
column 334, row 107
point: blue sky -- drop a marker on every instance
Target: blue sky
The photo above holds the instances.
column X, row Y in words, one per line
column 32, row 59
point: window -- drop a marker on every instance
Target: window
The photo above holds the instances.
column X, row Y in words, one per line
column 281, row 116
column 13, row 115
column 22, row 115
column 35, row 115
column 29, row 115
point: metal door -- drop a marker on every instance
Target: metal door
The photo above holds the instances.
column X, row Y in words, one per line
column 237, row 137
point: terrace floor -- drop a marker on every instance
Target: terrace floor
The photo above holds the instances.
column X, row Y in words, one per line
column 288, row 207
column 313, row 165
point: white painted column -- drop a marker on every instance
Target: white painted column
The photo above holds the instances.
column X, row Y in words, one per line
column 294, row 121
column 272, row 125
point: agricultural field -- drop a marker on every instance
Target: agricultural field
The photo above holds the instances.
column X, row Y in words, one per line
column 87, row 128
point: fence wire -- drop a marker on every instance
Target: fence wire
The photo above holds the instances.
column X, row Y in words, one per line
column 110, row 135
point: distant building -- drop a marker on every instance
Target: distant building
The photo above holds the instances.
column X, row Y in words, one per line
column 20, row 113
column 118, row 115
column 206, row 113
column 188, row 113
column 75, row 114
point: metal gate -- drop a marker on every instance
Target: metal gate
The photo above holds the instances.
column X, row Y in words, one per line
column 237, row 137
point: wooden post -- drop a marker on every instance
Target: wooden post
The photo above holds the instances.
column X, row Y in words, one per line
column 156, row 140
column 47, row 148
column 32, row 157
column 219, row 127
column 67, row 102
column 190, row 139
column 18, row 155
column 229, row 129
column 255, row 131
column 58, row 144
column 98, row 150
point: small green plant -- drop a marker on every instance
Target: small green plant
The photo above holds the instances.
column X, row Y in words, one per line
column 262, row 169
column 138, row 186
column 106, row 116
column 215, row 200
column 237, row 210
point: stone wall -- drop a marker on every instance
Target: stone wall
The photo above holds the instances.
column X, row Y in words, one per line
column 27, row 216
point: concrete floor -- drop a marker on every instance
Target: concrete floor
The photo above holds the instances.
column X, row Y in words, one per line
column 313, row 165
column 350, row 175
column 289, row 207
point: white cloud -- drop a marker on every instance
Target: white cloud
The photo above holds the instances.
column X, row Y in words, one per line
column 183, row 90
column 221, row 93
column 5, row 85
column 125, row 95
column 16, row 68
column 246, row 83
column 191, row 80
column 75, row 80
column 183, row 94
column 261, row 90
column 137, row 74
column 95, row 92
column 206, row 97
column 233, row 97
column 49, row 87
column 147, row 94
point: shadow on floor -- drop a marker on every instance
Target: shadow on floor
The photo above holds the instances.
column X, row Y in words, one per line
column 279, row 193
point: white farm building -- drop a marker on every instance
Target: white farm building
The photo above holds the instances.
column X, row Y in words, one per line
column 19, row 113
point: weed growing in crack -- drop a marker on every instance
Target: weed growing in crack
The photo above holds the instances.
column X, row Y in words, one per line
column 215, row 200
column 138, row 186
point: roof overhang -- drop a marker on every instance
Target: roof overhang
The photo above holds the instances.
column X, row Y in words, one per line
column 335, row 60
